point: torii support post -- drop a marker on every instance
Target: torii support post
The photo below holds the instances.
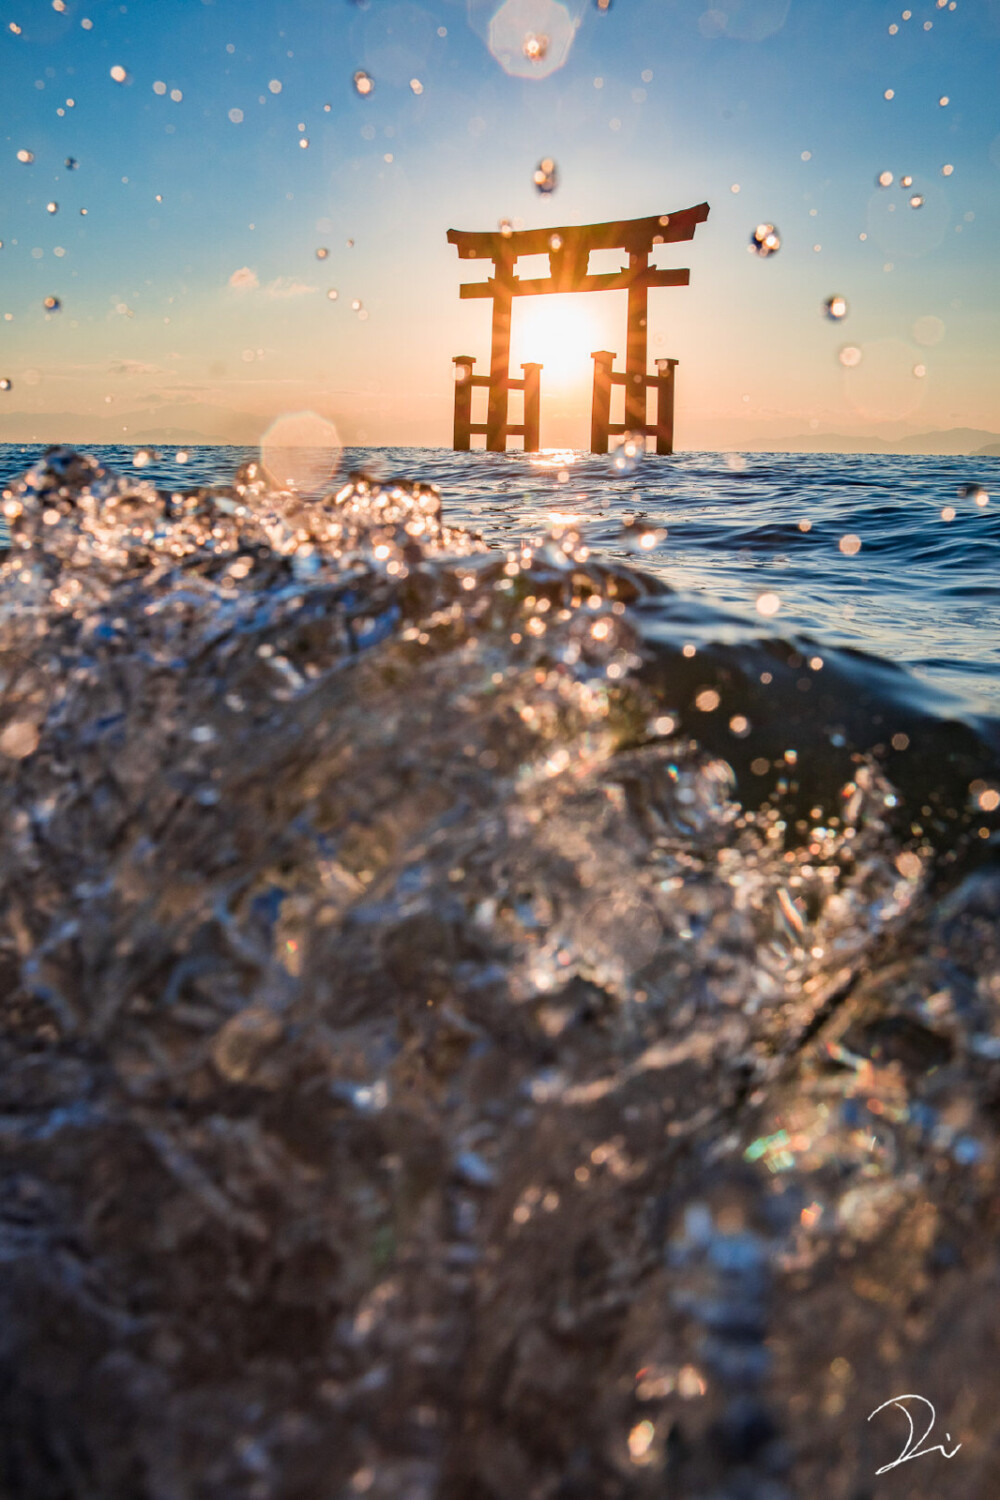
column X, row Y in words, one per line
column 532, row 406
column 463, row 402
column 665, row 385
column 600, row 411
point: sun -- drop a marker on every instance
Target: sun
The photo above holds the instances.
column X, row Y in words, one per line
column 560, row 332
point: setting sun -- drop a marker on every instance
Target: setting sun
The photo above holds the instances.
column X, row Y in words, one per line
column 561, row 333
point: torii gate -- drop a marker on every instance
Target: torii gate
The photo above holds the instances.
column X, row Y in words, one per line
column 568, row 248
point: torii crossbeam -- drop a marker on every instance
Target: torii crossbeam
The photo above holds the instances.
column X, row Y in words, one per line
column 568, row 248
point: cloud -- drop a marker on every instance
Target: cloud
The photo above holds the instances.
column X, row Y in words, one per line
column 284, row 286
column 244, row 280
column 132, row 367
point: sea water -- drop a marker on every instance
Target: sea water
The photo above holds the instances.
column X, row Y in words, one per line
column 501, row 968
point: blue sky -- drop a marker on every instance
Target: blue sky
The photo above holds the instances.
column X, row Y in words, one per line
column 660, row 104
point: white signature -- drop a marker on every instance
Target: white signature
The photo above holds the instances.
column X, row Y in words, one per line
column 909, row 1451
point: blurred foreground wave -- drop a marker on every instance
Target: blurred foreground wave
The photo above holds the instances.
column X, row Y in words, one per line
column 481, row 1019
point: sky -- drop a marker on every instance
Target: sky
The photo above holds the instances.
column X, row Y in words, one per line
column 234, row 178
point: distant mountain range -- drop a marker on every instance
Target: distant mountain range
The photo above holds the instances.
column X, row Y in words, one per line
column 974, row 441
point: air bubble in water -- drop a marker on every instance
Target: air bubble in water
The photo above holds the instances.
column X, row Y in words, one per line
column 917, row 201
column 301, row 450
column 322, row 253
column 835, row 308
column 627, row 457
column 118, row 73
column 52, row 304
column 849, row 355
column 26, row 156
column 71, row 163
column 765, row 241
column 363, row 83
column 546, row 175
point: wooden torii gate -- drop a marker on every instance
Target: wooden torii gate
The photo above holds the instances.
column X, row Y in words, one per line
column 568, row 248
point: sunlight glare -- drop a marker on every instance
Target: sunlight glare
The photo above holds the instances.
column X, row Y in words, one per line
column 560, row 332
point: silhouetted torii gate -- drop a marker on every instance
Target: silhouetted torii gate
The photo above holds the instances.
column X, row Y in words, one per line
column 568, row 248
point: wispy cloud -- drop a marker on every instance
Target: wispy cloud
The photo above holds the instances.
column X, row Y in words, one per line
column 133, row 367
column 285, row 286
column 244, row 280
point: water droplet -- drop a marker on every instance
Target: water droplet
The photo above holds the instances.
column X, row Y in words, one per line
column 884, row 180
column 920, row 371
column 627, row 457
column 849, row 355
column 944, row 101
column 301, row 450
column 159, row 87
column 947, row 169
column 603, row 6
column 506, row 228
column 835, row 308
column 765, row 241
column 906, row 182
column 5, row 384
column 850, row 544
column 333, row 294
column 52, row 208
column 356, row 305
column 26, row 156
column 304, row 142
column 416, row 86
column 52, row 304
column 363, row 83
column 555, row 241
column 768, row 604
column 236, row 115
column 350, row 244
column 181, row 456
column 889, row 94
column 322, row 253
column 71, row 163
column 274, row 86
column 546, row 175
column 176, row 95
column 535, row 47
column 917, row 201
column 118, row 73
